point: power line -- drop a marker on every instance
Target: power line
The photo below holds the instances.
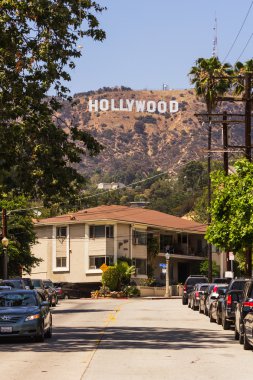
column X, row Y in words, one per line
column 238, row 32
column 245, row 47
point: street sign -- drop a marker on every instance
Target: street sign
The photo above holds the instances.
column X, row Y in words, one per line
column 164, row 270
column 231, row 256
column 162, row 265
column 104, row 267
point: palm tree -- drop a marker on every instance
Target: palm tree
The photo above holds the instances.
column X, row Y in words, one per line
column 241, row 69
column 211, row 79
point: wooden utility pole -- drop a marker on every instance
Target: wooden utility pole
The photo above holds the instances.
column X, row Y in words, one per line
column 209, row 246
column 225, row 142
column 248, row 109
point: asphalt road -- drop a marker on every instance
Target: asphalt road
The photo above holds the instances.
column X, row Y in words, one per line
column 127, row 339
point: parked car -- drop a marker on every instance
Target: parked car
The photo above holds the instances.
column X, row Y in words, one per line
column 23, row 313
column 14, row 283
column 189, row 284
column 28, row 282
column 248, row 331
column 226, row 308
column 48, row 293
column 194, row 295
column 78, row 290
column 49, row 286
column 243, row 307
column 203, row 298
column 58, row 289
column 214, row 294
column 217, row 297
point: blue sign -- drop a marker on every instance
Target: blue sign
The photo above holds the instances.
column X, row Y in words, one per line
column 162, row 265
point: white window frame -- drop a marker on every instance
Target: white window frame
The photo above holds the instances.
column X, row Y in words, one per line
column 54, row 239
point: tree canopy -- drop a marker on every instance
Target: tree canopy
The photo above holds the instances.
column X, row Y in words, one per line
column 232, row 208
column 38, row 47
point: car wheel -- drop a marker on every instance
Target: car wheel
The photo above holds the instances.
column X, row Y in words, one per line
column 246, row 344
column 49, row 331
column 236, row 335
column 206, row 311
column 41, row 336
column 241, row 337
column 66, row 296
column 210, row 316
column 218, row 320
column 225, row 323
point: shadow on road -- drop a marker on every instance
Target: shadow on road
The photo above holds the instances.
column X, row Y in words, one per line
column 122, row 338
column 77, row 311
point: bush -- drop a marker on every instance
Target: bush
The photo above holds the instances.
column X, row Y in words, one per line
column 110, row 278
column 132, row 291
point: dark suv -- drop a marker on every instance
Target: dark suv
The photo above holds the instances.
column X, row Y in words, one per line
column 189, row 285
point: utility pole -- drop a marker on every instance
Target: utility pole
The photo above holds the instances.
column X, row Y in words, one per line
column 225, row 142
column 248, row 109
column 4, row 237
column 209, row 246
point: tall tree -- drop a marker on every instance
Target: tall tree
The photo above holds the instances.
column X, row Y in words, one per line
column 38, row 45
column 211, row 79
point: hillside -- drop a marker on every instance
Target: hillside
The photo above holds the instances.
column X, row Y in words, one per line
column 138, row 143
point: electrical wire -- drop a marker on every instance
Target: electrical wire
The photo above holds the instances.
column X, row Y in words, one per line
column 238, row 32
column 245, row 47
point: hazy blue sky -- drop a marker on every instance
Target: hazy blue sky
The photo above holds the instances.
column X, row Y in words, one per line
column 151, row 42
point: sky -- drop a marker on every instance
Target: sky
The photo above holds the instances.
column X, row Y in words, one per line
column 154, row 42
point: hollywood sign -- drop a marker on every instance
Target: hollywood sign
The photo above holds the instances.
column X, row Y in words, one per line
column 129, row 105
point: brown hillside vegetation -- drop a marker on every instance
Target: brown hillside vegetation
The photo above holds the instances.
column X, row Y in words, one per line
column 138, row 143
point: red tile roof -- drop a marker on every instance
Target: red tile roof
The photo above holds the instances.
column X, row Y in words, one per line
column 129, row 215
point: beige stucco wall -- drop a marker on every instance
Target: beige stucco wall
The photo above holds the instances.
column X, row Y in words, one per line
column 139, row 251
column 43, row 250
column 123, row 240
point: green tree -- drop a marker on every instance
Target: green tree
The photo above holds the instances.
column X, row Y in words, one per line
column 204, row 268
column 38, row 45
column 232, row 209
column 20, row 233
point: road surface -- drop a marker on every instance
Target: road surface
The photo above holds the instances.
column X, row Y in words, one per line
column 127, row 340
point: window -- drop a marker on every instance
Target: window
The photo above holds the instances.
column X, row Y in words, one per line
column 109, row 231
column 101, row 232
column 61, row 262
column 140, row 265
column 97, row 261
column 61, row 232
column 139, row 238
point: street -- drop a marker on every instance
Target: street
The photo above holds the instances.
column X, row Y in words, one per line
column 127, row 339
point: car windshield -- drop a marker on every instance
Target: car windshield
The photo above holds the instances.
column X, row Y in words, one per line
column 238, row 285
column 13, row 284
column 36, row 283
column 17, row 300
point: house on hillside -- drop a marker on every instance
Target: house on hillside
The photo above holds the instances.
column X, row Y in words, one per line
column 74, row 246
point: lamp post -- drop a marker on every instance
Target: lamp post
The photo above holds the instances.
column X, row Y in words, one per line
column 167, row 290
column 5, row 243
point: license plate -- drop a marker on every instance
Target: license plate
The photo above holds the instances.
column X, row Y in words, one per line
column 6, row 329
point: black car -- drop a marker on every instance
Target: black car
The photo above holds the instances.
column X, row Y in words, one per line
column 48, row 293
column 14, row 283
column 23, row 313
column 194, row 296
column 243, row 307
column 189, row 285
column 53, row 297
column 78, row 290
column 226, row 308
